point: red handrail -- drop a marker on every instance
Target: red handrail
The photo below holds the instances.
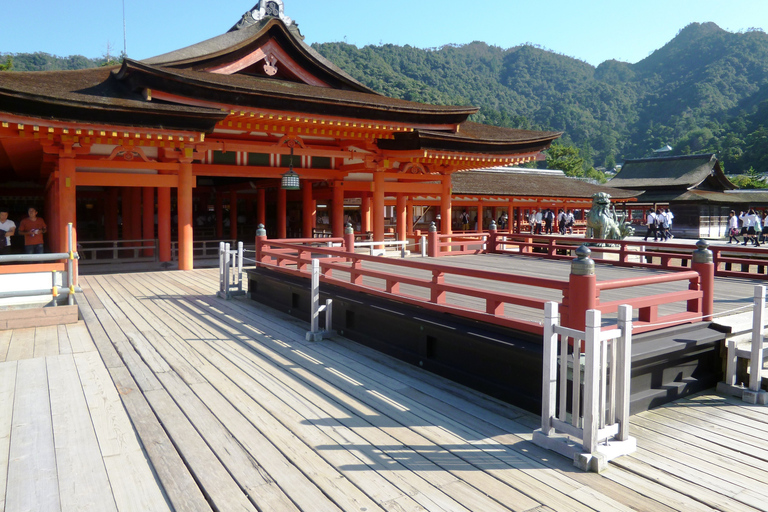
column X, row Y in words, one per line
column 578, row 294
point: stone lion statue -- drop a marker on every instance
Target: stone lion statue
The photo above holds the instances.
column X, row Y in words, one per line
column 603, row 222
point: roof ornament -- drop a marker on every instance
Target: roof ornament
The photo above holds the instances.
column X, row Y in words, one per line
column 269, row 67
column 264, row 9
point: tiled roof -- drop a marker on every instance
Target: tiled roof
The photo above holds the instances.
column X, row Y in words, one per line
column 93, row 95
column 681, row 172
column 529, row 185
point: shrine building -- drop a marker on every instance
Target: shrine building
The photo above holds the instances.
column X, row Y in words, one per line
column 254, row 118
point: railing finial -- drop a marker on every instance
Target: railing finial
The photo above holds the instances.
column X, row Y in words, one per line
column 260, row 231
column 583, row 265
column 702, row 254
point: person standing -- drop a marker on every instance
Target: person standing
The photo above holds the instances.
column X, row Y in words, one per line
column 733, row 228
column 7, row 229
column 570, row 220
column 748, row 227
column 668, row 215
column 539, row 217
column 764, row 232
column 549, row 219
column 532, row 221
column 33, row 228
column 650, row 221
column 464, row 218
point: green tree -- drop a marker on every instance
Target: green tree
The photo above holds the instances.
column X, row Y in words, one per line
column 565, row 158
column 752, row 179
column 8, row 65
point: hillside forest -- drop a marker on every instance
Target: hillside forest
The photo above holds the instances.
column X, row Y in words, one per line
column 704, row 91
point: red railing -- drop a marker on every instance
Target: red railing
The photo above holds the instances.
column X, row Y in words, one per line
column 751, row 262
column 463, row 292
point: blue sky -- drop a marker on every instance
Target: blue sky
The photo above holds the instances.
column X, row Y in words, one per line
column 593, row 31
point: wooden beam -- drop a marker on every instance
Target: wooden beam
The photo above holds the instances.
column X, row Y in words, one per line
column 113, row 179
column 243, row 171
column 91, row 163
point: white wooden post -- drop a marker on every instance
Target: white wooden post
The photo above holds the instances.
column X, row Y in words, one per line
column 592, row 381
column 756, row 361
column 549, row 380
column 222, row 268
column 623, row 364
column 226, row 270
column 315, row 296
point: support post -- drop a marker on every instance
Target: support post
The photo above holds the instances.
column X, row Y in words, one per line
column 402, row 217
column 703, row 264
column 378, row 205
column 282, row 213
column 148, row 218
column 756, row 361
column 337, row 209
column 349, row 238
column 490, row 246
column 445, row 204
column 261, row 206
column 233, row 214
column 67, row 205
column 184, row 205
column 261, row 239
column 164, row 223
column 433, row 251
column 582, row 289
column 308, row 209
column 549, row 374
column 591, row 380
column 623, row 371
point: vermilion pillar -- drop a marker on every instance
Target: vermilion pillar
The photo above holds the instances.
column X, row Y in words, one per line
column 67, row 205
column 148, row 217
column 261, row 207
column 126, row 213
column 445, row 204
column 136, row 217
column 111, row 213
column 219, row 216
column 184, row 206
column 480, row 213
column 282, row 213
column 402, row 216
column 365, row 213
column 52, row 210
column 164, row 223
column 233, row 215
column 510, row 217
column 337, row 210
column 409, row 216
column 308, row 209
column 378, row 205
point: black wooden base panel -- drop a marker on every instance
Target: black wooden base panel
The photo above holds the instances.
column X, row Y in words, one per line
column 503, row 363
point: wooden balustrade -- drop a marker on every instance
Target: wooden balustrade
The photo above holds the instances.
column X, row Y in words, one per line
column 427, row 284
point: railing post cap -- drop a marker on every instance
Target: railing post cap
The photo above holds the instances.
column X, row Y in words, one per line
column 260, row 231
column 432, row 228
column 583, row 265
column 492, row 226
column 702, row 254
column 348, row 229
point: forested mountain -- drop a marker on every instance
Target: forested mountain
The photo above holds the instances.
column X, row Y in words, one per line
column 704, row 91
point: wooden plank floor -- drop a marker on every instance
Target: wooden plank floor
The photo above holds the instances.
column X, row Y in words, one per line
column 169, row 398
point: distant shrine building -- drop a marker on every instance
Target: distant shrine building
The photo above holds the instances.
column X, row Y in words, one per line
column 254, row 120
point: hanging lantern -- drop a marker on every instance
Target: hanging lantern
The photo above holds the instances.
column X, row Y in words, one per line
column 290, row 179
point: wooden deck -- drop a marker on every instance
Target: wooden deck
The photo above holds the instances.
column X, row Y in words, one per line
column 168, row 398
